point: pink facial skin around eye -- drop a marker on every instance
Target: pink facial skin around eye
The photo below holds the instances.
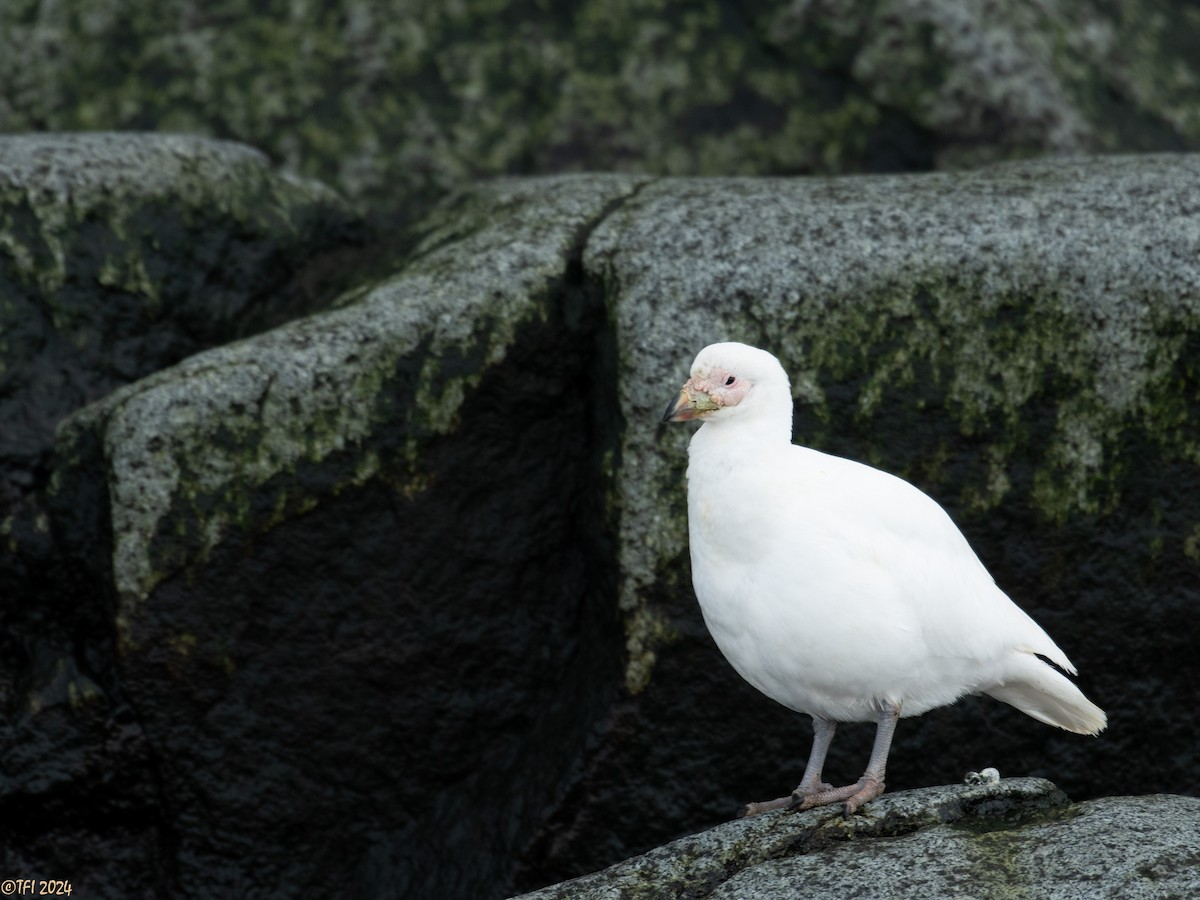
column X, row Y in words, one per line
column 724, row 394
column 736, row 391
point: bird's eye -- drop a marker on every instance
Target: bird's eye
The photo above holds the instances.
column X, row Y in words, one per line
column 729, row 381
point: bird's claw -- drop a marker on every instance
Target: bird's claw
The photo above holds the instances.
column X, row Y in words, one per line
column 789, row 802
column 802, row 794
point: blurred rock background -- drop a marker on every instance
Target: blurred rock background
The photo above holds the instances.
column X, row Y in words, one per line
column 395, row 102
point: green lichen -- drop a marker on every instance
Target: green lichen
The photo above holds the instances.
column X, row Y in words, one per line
column 916, row 343
column 64, row 684
column 997, row 851
column 398, row 103
column 182, row 644
column 1191, row 544
column 646, row 630
column 83, row 691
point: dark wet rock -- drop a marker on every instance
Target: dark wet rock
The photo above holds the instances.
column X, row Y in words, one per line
column 356, row 573
column 119, row 256
column 1021, row 837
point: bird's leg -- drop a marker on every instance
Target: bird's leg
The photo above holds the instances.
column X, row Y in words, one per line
column 871, row 784
column 811, row 782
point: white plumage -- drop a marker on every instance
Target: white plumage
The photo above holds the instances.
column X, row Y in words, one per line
column 839, row 590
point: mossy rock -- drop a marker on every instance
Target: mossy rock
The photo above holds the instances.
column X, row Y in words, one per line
column 397, row 103
column 1019, row 838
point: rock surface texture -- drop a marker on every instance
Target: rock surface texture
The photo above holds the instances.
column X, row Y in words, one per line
column 1018, row 838
column 311, row 574
column 388, row 593
column 119, row 256
column 395, row 103
column 122, row 255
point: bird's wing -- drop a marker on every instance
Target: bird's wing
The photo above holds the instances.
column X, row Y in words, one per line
column 906, row 548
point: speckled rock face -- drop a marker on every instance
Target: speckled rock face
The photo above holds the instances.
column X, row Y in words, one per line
column 1018, row 838
column 984, row 301
column 355, row 563
column 123, row 254
column 1138, row 847
column 119, row 256
column 394, row 102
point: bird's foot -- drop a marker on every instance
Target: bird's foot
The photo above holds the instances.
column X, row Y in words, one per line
column 852, row 795
column 754, row 809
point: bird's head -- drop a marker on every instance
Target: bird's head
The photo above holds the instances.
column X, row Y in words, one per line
column 728, row 379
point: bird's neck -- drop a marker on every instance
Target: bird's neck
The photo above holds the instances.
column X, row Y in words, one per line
column 765, row 428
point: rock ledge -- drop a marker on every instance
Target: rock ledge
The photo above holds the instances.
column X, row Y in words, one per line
column 1020, row 837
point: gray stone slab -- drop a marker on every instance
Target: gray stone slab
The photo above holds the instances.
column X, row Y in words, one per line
column 1019, row 838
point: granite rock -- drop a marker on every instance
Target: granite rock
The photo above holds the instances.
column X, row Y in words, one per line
column 1018, row 838
column 318, row 536
column 120, row 254
column 396, row 103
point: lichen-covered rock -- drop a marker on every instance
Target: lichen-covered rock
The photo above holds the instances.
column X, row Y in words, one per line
column 1143, row 848
column 1020, row 837
column 395, row 102
column 354, row 608
column 939, row 299
column 120, row 254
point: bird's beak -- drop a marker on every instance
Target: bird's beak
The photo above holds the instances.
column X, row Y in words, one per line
column 690, row 404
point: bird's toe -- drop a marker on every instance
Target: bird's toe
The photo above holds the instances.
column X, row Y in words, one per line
column 852, row 796
column 804, row 791
column 754, row 809
column 868, row 789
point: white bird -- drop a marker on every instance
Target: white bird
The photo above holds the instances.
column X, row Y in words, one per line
column 839, row 590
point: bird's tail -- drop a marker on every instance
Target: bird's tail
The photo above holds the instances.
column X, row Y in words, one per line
column 1039, row 690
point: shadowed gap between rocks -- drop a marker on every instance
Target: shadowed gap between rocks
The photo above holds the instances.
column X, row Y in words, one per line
column 357, row 695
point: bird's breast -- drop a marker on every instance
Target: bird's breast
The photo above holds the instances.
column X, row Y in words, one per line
column 810, row 618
